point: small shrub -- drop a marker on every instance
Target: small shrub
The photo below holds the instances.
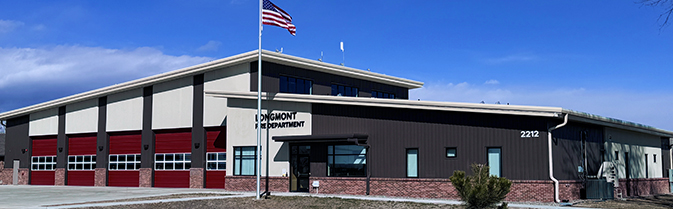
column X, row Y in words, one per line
column 481, row 190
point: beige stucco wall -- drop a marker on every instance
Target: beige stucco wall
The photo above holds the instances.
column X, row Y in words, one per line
column 637, row 145
column 241, row 131
column 43, row 123
column 125, row 111
column 172, row 104
column 234, row 78
column 81, row 117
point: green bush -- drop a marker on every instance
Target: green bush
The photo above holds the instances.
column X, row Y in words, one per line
column 481, row 190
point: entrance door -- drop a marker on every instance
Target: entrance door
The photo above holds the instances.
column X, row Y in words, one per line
column 300, row 168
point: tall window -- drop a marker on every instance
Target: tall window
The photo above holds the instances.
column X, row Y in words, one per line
column 216, row 161
column 347, row 91
column 494, row 161
column 378, row 94
column 295, row 85
column 82, row 162
column 412, row 163
column 346, row 160
column 244, row 161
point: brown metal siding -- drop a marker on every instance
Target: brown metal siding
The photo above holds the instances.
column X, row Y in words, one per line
column 322, row 82
column 392, row 130
column 16, row 139
column 567, row 152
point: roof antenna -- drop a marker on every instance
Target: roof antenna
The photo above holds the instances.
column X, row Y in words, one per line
column 482, row 102
column 320, row 57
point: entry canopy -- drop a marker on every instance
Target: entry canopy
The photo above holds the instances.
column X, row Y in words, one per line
column 326, row 138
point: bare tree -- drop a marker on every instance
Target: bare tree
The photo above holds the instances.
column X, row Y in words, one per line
column 667, row 4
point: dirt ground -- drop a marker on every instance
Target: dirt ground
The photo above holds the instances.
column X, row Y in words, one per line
column 650, row 202
column 284, row 202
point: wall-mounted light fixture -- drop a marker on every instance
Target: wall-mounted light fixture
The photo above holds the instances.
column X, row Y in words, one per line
column 60, row 149
column 100, row 148
column 146, row 146
column 197, row 145
column 23, row 151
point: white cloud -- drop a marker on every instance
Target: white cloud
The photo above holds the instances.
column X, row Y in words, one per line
column 31, row 75
column 211, row 46
column 492, row 82
column 649, row 108
column 512, row 58
column 9, row 25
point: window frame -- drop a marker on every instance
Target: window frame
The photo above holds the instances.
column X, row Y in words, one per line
column 296, row 82
column 333, row 156
column 375, row 94
column 216, row 161
column 73, row 165
column 455, row 153
column 35, row 163
column 237, row 172
column 186, row 161
column 136, row 162
column 336, row 87
column 407, row 162
column 499, row 160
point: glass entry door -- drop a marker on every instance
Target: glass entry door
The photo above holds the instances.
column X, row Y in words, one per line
column 300, row 168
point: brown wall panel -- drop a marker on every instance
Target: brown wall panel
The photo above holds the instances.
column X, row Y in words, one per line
column 567, row 150
column 392, row 130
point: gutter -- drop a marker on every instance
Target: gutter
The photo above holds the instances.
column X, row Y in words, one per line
column 551, row 160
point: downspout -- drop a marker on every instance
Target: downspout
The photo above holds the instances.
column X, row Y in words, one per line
column 551, row 160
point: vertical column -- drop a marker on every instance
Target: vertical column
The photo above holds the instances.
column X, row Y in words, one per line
column 197, row 171
column 147, row 141
column 60, row 176
column 17, row 146
column 102, row 142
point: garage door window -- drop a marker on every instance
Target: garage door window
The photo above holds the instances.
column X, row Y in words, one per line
column 125, row 162
column 43, row 163
column 216, row 161
column 82, row 162
column 173, row 161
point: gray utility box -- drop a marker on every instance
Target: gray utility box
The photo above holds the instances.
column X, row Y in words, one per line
column 600, row 189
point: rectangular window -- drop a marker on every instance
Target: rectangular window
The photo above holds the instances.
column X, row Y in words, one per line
column 412, row 163
column 655, row 158
column 173, row 161
column 295, row 85
column 450, row 152
column 124, row 162
column 346, row 160
column 616, row 155
column 347, row 91
column 494, row 161
column 82, row 162
column 43, row 163
column 378, row 94
column 216, row 161
column 244, row 161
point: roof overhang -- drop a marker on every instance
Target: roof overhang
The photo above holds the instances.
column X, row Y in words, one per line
column 397, row 103
column 327, row 138
column 213, row 65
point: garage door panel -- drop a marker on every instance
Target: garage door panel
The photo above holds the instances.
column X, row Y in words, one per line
column 81, row 178
column 42, row 177
column 82, row 145
column 124, row 178
column 172, row 179
column 175, row 142
column 44, row 147
column 125, row 144
column 215, row 179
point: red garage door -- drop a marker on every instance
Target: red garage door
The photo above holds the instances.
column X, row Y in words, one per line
column 124, row 160
column 216, row 157
column 81, row 160
column 173, row 158
column 43, row 161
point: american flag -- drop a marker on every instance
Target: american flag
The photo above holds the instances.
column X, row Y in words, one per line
column 274, row 15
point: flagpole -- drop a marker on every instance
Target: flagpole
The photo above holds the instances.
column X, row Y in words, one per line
column 259, row 101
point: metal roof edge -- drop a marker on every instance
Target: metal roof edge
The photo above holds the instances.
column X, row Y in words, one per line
column 398, row 103
column 616, row 123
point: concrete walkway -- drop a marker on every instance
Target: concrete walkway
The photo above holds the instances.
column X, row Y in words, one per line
column 24, row 196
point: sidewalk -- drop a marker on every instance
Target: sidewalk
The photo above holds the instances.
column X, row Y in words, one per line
column 24, row 196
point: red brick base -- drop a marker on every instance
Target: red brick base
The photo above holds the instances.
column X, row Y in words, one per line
column 196, row 178
column 145, row 177
column 642, row 187
column 248, row 183
column 100, row 177
column 59, row 176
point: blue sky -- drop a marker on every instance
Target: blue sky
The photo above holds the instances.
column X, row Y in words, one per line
column 603, row 57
